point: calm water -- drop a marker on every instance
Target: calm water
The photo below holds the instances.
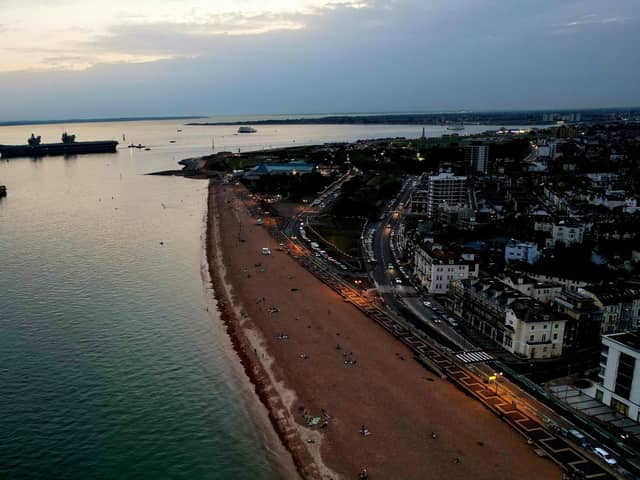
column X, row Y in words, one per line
column 110, row 364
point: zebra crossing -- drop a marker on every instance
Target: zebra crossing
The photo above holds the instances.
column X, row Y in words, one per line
column 475, row 357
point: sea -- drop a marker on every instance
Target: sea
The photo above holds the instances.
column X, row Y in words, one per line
column 114, row 363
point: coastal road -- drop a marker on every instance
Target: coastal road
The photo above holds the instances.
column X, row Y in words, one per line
column 404, row 301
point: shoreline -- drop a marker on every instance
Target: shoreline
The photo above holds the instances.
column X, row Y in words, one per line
column 260, row 379
column 400, row 402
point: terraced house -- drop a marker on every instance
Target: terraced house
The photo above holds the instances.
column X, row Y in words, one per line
column 518, row 323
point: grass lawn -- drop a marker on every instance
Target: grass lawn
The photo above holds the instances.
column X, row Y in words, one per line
column 345, row 235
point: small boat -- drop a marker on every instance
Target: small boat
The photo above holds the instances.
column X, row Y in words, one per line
column 247, row 130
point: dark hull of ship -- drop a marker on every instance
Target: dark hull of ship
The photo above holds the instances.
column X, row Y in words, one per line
column 12, row 151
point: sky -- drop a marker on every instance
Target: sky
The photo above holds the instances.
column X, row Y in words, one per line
column 122, row 58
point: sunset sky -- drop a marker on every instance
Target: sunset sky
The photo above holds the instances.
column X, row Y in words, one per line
column 75, row 58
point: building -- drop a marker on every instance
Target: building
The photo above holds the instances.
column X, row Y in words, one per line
column 567, row 233
column 545, row 149
column 518, row 323
column 418, row 201
column 477, row 157
column 436, row 268
column 583, row 330
column 619, row 376
column 543, row 292
column 570, row 284
column 294, row 167
column 445, row 189
column 516, row 251
column 620, row 307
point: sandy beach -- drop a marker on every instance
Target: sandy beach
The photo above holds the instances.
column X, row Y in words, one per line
column 315, row 359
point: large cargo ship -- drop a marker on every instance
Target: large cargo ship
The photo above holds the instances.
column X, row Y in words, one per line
column 68, row 146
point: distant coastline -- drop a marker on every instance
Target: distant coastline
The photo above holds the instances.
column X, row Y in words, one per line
column 13, row 123
column 521, row 117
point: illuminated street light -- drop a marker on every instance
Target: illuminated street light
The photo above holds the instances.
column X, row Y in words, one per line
column 496, row 377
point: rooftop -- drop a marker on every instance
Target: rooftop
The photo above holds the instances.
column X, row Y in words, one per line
column 628, row 339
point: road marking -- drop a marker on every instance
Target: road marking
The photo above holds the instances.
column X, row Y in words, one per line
column 475, row 357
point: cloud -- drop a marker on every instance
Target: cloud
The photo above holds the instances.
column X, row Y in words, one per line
column 124, row 31
column 385, row 55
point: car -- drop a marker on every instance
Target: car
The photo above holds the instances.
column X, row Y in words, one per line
column 317, row 254
column 606, row 456
column 577, row 434
column 437, row 320
column 426, row 304
column 266, row 251
column 398, row 281
column 390, row 266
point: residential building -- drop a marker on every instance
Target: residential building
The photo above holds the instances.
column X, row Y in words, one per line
column 619, row 373
column 477, row 157
column 418, row 201
column 436, row 268
column 545, row 149
column 570, row 284
column 543, row 292
column 583, row 330
column 518, row 323
column 567, row 233
column 516, row 251
column 445, row 189
column 620, row 306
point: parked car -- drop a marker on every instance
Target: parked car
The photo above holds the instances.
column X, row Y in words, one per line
column 398, row 281
column 266, row 251
column 606, row 456
column 426, row 304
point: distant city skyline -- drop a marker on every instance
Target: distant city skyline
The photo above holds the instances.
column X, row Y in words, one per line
column 71, row 59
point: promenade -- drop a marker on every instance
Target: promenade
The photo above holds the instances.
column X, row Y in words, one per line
column 324, row 356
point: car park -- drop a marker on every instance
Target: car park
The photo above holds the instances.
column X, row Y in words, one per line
column 606, row 456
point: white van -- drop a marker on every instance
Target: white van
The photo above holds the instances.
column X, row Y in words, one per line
column 266, row 251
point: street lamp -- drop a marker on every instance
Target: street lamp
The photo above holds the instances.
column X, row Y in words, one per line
column 497, row 376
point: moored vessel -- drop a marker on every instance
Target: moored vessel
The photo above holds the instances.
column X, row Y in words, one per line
column 67, row 146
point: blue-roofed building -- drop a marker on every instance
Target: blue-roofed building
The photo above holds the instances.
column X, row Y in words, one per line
column 294, row 167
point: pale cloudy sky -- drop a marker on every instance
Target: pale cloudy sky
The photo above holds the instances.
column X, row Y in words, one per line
column 86, row 58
